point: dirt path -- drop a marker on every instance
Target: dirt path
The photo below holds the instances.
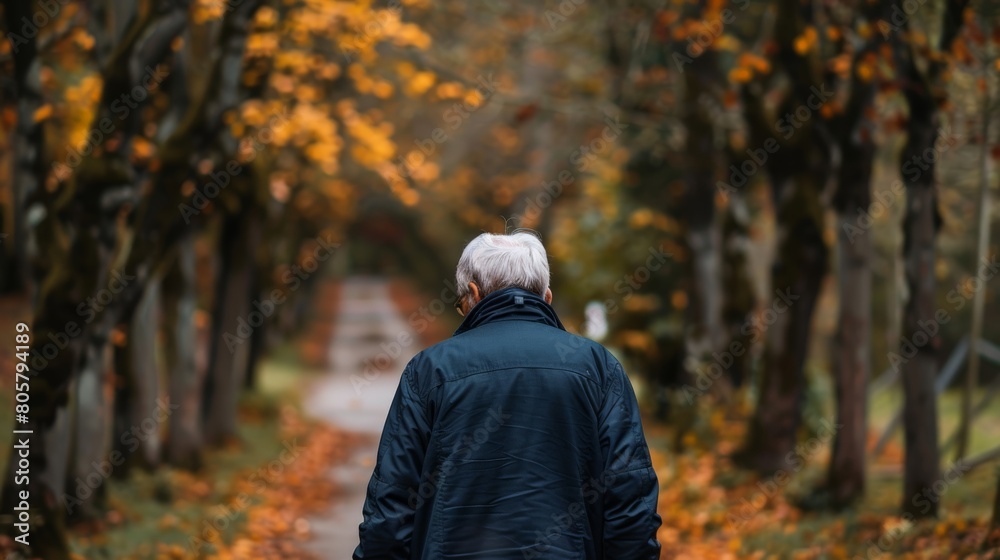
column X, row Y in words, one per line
column 367, row 325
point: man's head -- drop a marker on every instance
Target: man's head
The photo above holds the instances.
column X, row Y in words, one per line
column 493, row 262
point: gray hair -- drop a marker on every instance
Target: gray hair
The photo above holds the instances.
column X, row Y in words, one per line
column 495, row 262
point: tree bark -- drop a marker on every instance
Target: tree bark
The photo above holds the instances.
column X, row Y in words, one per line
column 28, row 172
column 145, row 414
column 702, row 162
column 995, row 523
column 739, row 296
column 92, row 431
column 798, row 169
column 798, row 273
column 233, row 326
column 992, row 540
column 180, row 343
column 851, row 354
column 28, row 143
column 851, row 364
column 923, row 96
column 922, row 464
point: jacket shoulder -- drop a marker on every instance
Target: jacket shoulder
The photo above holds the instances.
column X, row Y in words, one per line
column 554, row 348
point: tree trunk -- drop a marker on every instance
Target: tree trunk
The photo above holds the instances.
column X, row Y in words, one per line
column 28, row 143
column 798, row 166
column 851, row 355
column 180, row 346
column 93, row 423
column 233, row 328
column 851, row 363
column 995, row 523
column 145, row 412
column 57, row 451
column 992, row 540
column 796, row 279
column 919, row 348
column 738, row 292
column 704, row 331
column 920, row 423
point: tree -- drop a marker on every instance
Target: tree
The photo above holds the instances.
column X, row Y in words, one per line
column 852, row 344
column 922, row 90
column 797, row 160
column 701, row 91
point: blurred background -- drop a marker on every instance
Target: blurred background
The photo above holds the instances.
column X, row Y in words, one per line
column 226, row 224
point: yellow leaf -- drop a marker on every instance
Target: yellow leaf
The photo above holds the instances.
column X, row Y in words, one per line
column 42, row 113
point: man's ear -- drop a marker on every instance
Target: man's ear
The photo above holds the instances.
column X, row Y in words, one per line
column 548, row 296
column 474, row 290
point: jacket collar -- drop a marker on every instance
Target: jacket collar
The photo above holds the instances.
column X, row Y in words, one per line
column 510, row 304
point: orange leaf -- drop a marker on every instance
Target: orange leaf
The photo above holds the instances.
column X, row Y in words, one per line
column 42, row 113
column 801, row 45
column 740, row 75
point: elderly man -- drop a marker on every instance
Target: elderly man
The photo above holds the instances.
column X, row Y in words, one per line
column 512, row 439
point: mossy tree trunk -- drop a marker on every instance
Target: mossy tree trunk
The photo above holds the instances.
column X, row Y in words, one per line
column 76, row 236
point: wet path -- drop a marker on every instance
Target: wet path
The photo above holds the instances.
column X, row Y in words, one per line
column 367, row 326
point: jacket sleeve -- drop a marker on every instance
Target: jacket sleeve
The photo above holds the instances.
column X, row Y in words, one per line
column 630, row 497
column 387, row 529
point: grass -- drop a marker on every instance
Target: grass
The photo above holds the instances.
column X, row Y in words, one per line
column 141, row 519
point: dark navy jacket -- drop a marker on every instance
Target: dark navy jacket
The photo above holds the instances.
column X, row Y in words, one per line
column 512, row 440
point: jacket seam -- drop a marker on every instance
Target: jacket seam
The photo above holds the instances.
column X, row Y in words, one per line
column 492, row 370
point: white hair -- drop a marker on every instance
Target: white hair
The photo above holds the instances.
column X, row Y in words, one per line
column 495, row 262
